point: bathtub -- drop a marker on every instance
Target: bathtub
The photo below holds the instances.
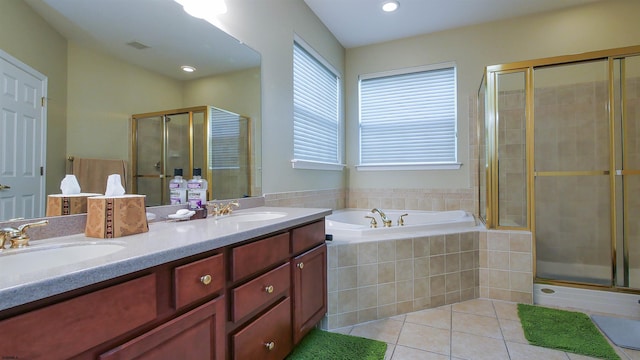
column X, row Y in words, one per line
column 352, row 224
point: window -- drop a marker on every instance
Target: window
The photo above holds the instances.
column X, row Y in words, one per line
column 224, row 128
column 408, row 119
column 315, row 112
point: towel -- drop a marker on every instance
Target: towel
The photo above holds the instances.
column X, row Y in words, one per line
column 92, row 174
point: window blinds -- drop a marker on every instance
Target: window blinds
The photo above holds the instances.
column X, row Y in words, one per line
column 224, row 129
column 408, row 118
column 315, row 109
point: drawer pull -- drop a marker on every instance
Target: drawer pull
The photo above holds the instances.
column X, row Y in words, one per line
column 206, row 279
column 301, row 265
column 269, row 289
column 270, row 345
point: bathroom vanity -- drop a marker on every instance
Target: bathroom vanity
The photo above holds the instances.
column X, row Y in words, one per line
column 249, row 286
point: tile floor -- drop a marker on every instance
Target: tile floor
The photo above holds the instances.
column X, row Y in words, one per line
column 474, row 329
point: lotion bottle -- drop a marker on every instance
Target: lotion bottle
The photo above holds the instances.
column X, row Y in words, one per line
column 178, row 188
column 197, row 190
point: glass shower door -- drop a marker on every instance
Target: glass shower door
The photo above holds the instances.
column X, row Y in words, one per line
column 149, row 166
column 629, row 262
column 572, row 189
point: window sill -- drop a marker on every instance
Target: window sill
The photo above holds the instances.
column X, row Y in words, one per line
column 313, row 165
column 450, row 166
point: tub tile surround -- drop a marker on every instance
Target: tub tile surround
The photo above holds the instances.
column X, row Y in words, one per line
column 379, row 279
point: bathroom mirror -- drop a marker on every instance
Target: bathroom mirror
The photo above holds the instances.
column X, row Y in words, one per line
column 121, row 58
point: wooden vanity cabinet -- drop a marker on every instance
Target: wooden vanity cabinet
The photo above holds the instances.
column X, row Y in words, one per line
column 309, row 290
column 250, row 301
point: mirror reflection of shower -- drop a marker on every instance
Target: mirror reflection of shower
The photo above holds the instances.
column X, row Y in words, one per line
column 212, row 139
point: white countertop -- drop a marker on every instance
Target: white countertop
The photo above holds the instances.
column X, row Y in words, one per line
column 166, row 241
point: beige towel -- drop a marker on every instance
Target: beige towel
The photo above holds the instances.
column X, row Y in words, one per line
column 92, row 174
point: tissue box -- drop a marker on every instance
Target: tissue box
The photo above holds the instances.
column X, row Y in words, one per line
column 115, row 216
column 61, row 204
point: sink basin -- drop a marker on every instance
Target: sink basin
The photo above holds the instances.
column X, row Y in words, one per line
column 42, row 257
column 253, row 216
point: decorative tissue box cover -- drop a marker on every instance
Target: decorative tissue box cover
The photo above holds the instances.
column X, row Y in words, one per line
column 116, row 216
column 60, row 204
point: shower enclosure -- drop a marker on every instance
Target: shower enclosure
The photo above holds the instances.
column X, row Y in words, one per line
column 560, row 156
column 215, row 140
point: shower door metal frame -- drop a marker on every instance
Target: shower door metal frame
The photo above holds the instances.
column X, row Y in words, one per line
column 492, row 167
column 165, row 176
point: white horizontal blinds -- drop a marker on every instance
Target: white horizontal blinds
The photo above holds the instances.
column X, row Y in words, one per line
column 224, row 130
column 408, row 118
column 315, row 109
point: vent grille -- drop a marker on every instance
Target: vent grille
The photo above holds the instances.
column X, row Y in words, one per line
column 138, row 45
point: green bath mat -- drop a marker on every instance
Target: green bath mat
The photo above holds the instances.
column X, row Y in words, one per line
column 564, row 330
column 323, row 345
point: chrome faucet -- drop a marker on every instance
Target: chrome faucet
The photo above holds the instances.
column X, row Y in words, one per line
column 18, row 236
column 383, row 217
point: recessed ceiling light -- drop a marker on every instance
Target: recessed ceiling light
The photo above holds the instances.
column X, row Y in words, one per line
column 390, row 6
column 187, row 68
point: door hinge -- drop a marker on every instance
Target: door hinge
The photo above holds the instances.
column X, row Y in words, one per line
column 42, row 100
column 41, row 170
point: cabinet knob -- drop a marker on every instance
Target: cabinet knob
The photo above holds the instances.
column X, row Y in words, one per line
column 301, row 265
column 206, row 279
column 269, row 289
column 270, row 345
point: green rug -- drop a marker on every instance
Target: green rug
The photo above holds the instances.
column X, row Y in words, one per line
column 323, row 345
column 564, row 330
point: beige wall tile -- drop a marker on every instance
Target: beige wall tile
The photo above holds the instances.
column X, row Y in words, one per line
column 386, row 250
column 347, row 255
column 521, row 281
column 498, row 279
column 452, row 282
column 386, row 272
column 347, row 301
column 367, row 315
column 452, row 262
column 437, row 245
column 367, row 275
column 421, row 267
column 404, row 291
column 498, row 260
column 520, row 262
column 386, row 294
column 367, row 253
column 367, row 297
column 347, row 277
column 520, row 242
column 498, row 241
column 467, row 260
column 437, row 285
column 404, row 269
column 437, row 265
column 404, row 249
column 389, row 310
column 421, row 246
column 452, row 243
column 421, row 288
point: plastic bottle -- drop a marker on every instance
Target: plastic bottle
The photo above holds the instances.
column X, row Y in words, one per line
column 197, row 190
column 178, row 188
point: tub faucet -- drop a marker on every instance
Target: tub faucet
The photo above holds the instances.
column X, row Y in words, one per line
column 385, row 220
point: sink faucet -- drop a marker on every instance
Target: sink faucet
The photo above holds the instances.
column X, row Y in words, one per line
column 385, row 220
column 18, row 236
column 219, row 209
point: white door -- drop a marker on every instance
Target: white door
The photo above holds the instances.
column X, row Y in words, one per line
column 22, row 139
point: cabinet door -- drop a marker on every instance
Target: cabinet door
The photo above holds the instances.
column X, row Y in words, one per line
column 310, row 290
column 198, row 334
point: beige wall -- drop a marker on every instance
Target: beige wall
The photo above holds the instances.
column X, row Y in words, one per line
column 269, row 28
column 603, row 25
column 25, row 36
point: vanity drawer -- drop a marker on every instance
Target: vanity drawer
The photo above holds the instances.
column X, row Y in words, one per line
column 254, row 257
column 308, row 236
column 260, row 291
column 267, row 338
column 197, row 280
column 66, row 329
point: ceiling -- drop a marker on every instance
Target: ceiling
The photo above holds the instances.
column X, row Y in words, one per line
column 174, row 37
column 362, row 22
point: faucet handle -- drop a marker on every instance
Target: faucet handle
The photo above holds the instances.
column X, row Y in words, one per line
column 373, row 223
column 401, row 220
column 21, row 238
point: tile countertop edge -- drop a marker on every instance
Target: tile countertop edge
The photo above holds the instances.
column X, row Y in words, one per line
column 21, row 294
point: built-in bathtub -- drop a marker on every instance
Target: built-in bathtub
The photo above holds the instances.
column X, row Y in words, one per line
column 375, row 273
column 353, row 225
